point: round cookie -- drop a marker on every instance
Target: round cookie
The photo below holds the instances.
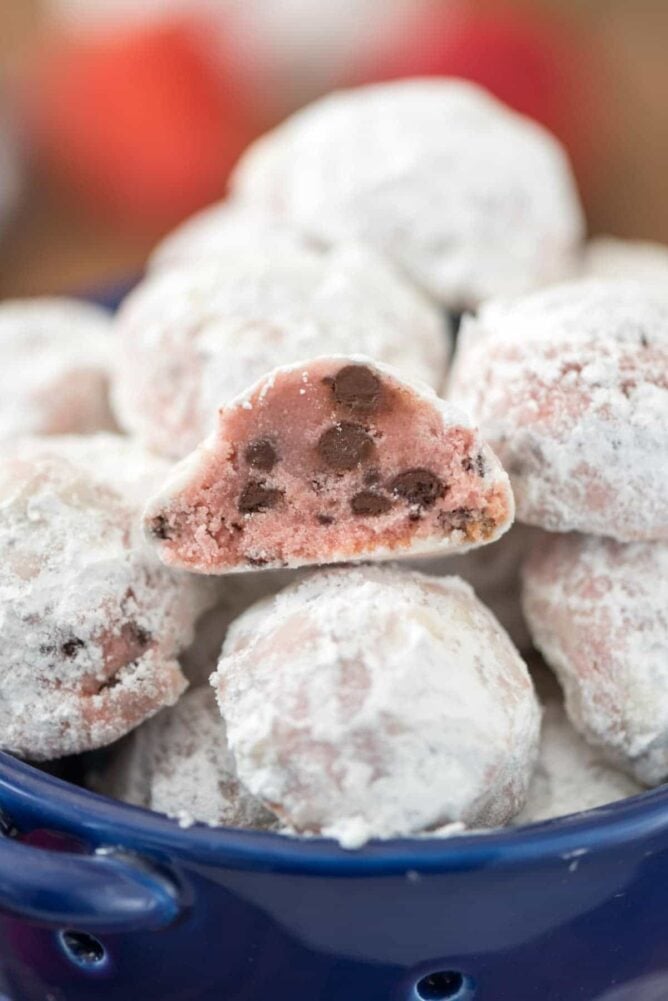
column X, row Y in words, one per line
column 227, row 229
column 90, row 623
column 469, row 198
column 570, row 776
column 607, row 257
column 570, row 388
column 598, row 612
column 178, row 763
column 327, row 461
column 191, row 339
column 377, row 702
column 54, row 355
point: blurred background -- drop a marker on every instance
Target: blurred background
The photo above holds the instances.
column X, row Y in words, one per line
column 118, row 118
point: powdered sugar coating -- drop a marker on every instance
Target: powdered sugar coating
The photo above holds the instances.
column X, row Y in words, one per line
column 191, row 339
column 178, row 763
column 226, row 229
column 598, row 612
column 201, row 520
column 90, row 623
column 640, row 260
column 378, row 702
column 571, row 776
column 468, row 197
column 494, row 574
column 54, row 355
column 570, row 386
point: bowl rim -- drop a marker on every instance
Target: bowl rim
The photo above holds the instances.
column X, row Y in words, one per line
column 55, row 803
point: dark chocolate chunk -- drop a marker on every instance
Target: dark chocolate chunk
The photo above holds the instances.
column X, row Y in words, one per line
column 160, row 527
column 418, row 486
column 261, row 454
column 480, row 465
column 135, row 634
column 370, row 504
column 357, row 388
column 344, row 446
column 324, row 519
column 71, row 647
column 257, row 561
column 256, row 498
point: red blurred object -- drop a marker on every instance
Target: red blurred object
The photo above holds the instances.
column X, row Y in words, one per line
column 142, row 123
column 530, row 59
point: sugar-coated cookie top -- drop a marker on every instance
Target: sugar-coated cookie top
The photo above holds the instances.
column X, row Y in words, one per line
column 470, row 198
column 90, row 623
column 191, row 339
column 55, row 355
column 227, row 229
column 373, row 701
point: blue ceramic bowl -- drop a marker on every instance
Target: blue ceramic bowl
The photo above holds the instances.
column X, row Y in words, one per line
column 102, row 900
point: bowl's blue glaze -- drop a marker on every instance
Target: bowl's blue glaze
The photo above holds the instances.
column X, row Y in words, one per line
column 573, row 909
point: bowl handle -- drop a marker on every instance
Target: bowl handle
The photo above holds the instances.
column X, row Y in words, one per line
column 105, row 892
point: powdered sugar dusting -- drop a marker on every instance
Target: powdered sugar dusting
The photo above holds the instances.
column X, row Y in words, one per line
column 373, row 702
column 55, row 356
column 570, row 386
column 178, row 763
column 192, row 339
column 469, row 198
column 91, row 624
column 571, row 776
column 598, row 611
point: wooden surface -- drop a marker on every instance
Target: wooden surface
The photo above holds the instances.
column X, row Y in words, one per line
column 54, row 244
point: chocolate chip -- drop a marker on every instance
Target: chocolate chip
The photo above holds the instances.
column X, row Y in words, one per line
column 135, row 634
column 370, row 504
column 345, row 446
column 257, row 561
column 160, row 527
column 324, row 519
column 458, row 518
column 256, row 498
column 71, row 647
column 357, row 388
column 371, row 476
column 418, row 486
column 480, row 465
column 261, row 454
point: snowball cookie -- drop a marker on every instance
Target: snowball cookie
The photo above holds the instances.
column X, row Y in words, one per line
column 494, row 574
column 639, row 260
column 90, row 623
column 235, row 593
column 570, row 775
column 227, row 229
column 468, row 197
column 178, row 763
column 598, row 612
column 570, row 387
column 54, row 355
column 191, row 339
column 377, row 702
column 327, row 461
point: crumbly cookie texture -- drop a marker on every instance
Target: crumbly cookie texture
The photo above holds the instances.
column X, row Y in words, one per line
column 91, row 624
column 55, row 358
column 225, row 230
column 607, row 257
column 178, row 763
column 377, row 702
column 469, row 198
column 598, row 612
column 326, row 461
column 570, row 387
column 191, row 339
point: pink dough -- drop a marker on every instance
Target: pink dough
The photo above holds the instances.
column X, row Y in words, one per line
column 330, row 460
